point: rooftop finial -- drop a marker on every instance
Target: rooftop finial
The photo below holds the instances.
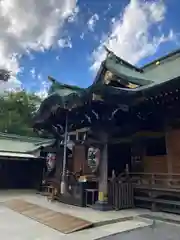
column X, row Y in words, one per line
column 51, row 79
column 109, row 52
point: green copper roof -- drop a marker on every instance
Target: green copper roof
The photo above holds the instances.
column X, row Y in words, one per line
column 128, row 84
column 21, row 144
column 161, row 70
column 165, row 68
column 167, row 57
column 117, row 66
column 62, row 95
column 63, row 89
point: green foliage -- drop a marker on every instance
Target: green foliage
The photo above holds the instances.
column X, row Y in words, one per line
column 17, row 111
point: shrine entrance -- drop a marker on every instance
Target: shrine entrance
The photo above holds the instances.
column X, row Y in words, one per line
column 119, row 155
column 120, row 190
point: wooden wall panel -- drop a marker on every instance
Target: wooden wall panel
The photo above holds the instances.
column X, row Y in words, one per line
column 59, row 163
column 80, row 159
column 169, row 163
column 155, row 164
column 173, row 150
column 78, row 156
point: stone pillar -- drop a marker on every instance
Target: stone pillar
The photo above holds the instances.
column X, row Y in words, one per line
column 102, row 203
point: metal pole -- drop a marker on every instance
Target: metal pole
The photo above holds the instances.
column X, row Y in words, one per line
column 63, row 180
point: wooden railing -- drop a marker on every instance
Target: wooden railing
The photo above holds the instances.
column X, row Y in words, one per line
column 161, row 179
column 142, row 178
column 158, row 191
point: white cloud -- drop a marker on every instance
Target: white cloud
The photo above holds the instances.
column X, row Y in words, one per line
column 33, row 73
column 39, row 76
column 82, row 35
column 43, row 91
column 74, row 14
column 65, row 42
column 57, row 58
column 110, row 6
column 130, row 36
column 12, row 85
column 92, row 22
column 30, row 25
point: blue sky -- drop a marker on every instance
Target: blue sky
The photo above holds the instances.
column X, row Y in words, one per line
column 69, row 45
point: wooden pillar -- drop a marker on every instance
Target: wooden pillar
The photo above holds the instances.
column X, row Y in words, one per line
column 168, row 141
column 103, row 175
column 102, row 203
column 169, row 154
column 137, row 155
column 59, row 160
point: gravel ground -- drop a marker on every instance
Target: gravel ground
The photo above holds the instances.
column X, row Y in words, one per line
column 160, row 231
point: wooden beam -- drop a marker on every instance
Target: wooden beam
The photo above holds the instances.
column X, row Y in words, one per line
column 138, row 134
column 149, row 134
column 120, row 140
column 86, row 129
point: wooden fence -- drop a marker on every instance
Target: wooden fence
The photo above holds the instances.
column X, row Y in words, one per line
column 158, row 191
column 120, row 194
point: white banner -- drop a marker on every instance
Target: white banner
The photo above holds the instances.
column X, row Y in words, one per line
column 50, row 161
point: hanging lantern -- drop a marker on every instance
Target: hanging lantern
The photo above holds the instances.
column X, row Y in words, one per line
column 50, row 161
column 93, row 158
column 157, row 63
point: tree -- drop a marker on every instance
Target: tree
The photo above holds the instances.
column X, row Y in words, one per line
column 4, row 75
column 17, row 111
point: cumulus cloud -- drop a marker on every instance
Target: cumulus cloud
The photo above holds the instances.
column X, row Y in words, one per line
column 130, row 37
column 30, row 25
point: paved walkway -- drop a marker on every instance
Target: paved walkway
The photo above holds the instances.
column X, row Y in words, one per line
column 96, row 217
column 161, row 231
column 14, row 226
column 108, row 230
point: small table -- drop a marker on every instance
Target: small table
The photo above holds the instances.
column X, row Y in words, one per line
column 92, row 192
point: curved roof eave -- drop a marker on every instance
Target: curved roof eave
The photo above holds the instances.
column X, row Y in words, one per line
column 130, row 75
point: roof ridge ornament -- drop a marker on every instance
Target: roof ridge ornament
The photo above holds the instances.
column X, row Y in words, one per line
column 109, row 52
